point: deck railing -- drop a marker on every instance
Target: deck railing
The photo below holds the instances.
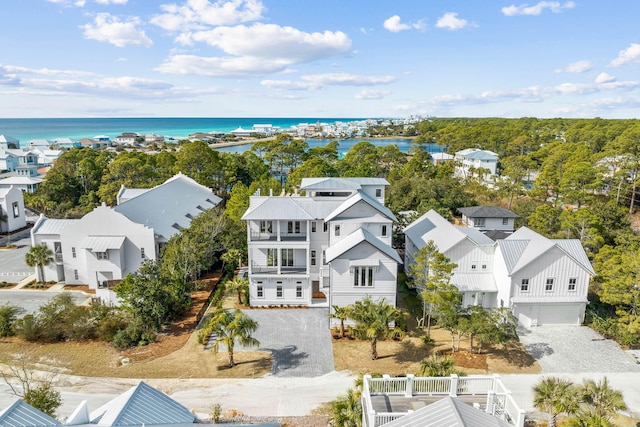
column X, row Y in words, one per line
column 499, row 403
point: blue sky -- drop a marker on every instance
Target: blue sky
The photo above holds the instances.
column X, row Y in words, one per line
column 329, row 58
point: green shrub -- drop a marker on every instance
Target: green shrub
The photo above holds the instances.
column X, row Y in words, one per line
column 8, row 316
column 28, row 328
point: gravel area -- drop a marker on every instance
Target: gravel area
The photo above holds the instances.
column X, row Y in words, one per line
column 575, row 349
column 299, row 340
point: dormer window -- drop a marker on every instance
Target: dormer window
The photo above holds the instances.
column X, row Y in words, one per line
column 378, row 192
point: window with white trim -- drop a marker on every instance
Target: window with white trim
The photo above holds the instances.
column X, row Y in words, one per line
column 313, row 257
column 279, row 290
column 548, row 286
column 293, row 227
column 16, row 209
column 260, row 291
column 573, row 281
column 336, row 230
column 286, row 256
column 75, row 274
column 479, row 222
column 313, row 227
column 505, row 221
column 474, row 266
column 484, row 266
column 524, row 285
column 272, row 257
column 299, row 290
column 378, row 192
column 142, row 254
column 102, row 255
column 73, row 252
column 363, row 276
column 384, row 230
column 325, row 227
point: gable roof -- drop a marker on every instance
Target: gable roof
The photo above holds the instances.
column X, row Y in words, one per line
column 141, row 405
column 432, row 226
column 525, row 245
column 475, row 153
column 7, row 139
column 21, row 414
column 46, row 225
column 174, row 202
column 274, row 208
column 448, row 412
column 334, row 183
column 357, row 197
column 354, row 239
column 487, row 212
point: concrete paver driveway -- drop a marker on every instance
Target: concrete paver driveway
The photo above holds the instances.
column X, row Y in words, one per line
column 299, row 340
column 575, row 349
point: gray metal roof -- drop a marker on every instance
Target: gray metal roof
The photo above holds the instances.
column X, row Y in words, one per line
column 525, row 245
column 474, row 282
column 21, row 414
column 276, row 208
column 173, row 202
column 357, row 197
column 357, row 237
column 475, row 153
column 102, row 243
column 333, row 183
column 448, row 412
column 53, row 226
column 142, row 405
column 487, row 212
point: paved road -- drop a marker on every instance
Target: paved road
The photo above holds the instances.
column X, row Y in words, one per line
column 31, row 299
column 575, row 349
column 299, row 340
column 12, row 265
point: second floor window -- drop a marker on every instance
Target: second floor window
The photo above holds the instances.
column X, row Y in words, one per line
column 363, row 276
column 287, row 257
column 524, row 285
column 336, row 230
column 73, row 252
column 384, row 231
column 102, row 255
column 265, row 227
column 549, row 284
column 313, row 257
column 293, row 227
column 272, row 257
column 479, row 222
column 572, row 283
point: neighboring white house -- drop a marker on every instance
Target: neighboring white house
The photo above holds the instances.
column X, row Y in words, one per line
column 488, row 218
column 332, row 245
column 542, row 281
column 26, row 178
column 8, row 161
column 12, row 206
column 470, row 160
column 109, row 243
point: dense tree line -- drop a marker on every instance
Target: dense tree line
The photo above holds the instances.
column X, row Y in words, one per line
column 566, row 178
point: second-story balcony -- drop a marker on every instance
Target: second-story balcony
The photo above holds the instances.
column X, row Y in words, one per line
column 285, row 237
column 265, row 269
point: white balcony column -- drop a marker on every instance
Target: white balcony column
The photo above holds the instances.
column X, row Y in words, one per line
column 490, row 398
column 409, row 390
column 308, row 234
column 249, row 231
column 279, row 260
column 453, row 390
column 308, row 252
column 278, row 231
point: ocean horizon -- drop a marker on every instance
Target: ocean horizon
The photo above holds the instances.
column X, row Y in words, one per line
column 27, row 129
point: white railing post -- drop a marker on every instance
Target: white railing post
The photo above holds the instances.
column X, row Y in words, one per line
column 409, row 390
column 453, row 386
column 521, row 417
column 496, row 378
column 490, row 398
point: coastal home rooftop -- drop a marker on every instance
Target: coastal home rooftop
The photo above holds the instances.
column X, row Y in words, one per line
column 414, row 401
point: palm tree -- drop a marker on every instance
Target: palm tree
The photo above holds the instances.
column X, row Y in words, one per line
column 346, row 411
column 39, row 256
column 373, row 321
column 556, row 396
column 439, row 366
column 231, row 327
column 239, row 285
column 604, row 400
column 342, row 314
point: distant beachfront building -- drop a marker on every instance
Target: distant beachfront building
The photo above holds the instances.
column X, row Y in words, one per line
column 153, row 138
column 108, row 243
column 7, row 142
column 265, row 129
column 127, row 138
column 240, row 132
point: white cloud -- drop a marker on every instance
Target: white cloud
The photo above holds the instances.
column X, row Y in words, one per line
column 627, row 56
column 198, row 14
column 111, row 1
column 450, row 21
column 576, row 67
column 395, row 25
column 258, row 49
column 368, row 94
column 82, row 3
column 108, row 28
column 537, row 9
column 605, row 78
column 318, row 81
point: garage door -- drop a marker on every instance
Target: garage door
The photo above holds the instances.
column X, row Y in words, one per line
column 570, row 314
column 550, row 314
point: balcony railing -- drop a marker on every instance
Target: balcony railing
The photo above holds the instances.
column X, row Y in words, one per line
column 272, row 237
column 265, row 269
column 499, row 401
column 58, row 257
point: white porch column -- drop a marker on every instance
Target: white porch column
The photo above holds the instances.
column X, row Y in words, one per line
column 308, row 253
column 453, row 390
column 278, row 230
column 409, row 390
column 279, row 257
column 490, row 398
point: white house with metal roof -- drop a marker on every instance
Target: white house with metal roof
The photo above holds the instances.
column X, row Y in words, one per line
column 12, row 207
column 543, row 281
column 330, row 246
column 488, row 218
column 109, row 243
column 470, row 160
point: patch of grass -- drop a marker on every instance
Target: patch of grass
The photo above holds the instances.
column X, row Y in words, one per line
column 6, row 285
